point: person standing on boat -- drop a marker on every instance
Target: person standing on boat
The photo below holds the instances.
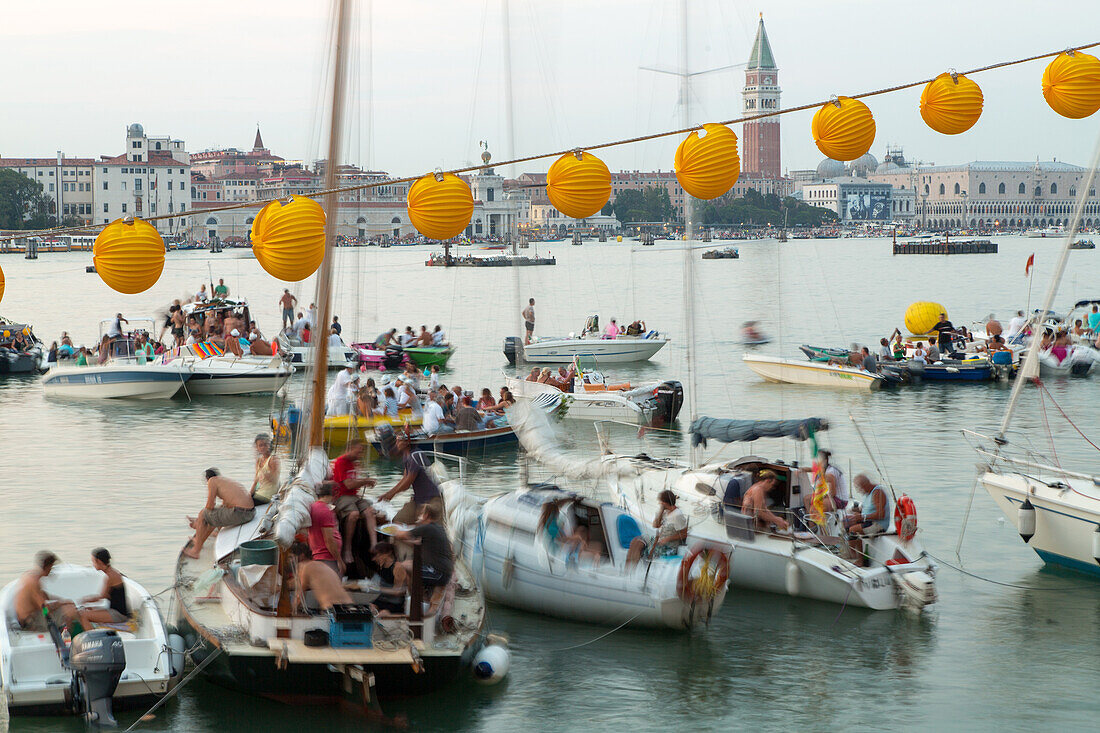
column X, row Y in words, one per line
column 612, row 330
column 1094, row 319
column 350, row 506
column 672, row 531
column 529, row 321
column 328, row 589
column 336, row 328
column 336, row 400
column 115, row 331
column 837, row 498
column 287, row 302
column 945, row 331
column 416, row 477
column 873, row 517
column 237, row 508
column 324, row 536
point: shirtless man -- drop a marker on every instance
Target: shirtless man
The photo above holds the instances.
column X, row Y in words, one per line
column 529, row 321
column 178, row 324
column 30, row 598
column 236, row 509
column 755, row 501
column 287, row 303
column 317, row 577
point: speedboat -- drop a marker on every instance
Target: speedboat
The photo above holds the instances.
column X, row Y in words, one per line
column 522, row 567
column 808, row 562
column 388, row 359
column 233, row 375
column 1077, row 361
column 20, row 357
column 33, row 675
column 125, row 373
column 817, row 374
column 564, row 349
column 593, row 398
column 426, row 356
column 300, row 353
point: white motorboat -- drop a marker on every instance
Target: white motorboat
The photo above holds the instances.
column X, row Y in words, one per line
column 1077, row 361
column 520, row 566
column 817, row 374
column 806, row 564
column 590, row 343
column 125, row 374
column 636, row 404
column 32, row 674
column 300, row 354
column 234, row 375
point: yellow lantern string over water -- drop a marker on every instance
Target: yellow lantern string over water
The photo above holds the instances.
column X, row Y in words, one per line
column 708, row 166
column 440, row 205
column 129, row 255
column 1071, row 84
column 843, row 129
column 951, row 103
column 289, row 239
column 578, row 184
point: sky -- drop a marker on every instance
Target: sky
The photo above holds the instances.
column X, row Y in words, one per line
column 428, row 80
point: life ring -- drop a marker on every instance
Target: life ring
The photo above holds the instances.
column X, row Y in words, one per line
column 905, row 518
column 712, row 576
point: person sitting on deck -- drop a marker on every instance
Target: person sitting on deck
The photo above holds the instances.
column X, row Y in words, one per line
column 884, row 351
column 997, row 343
column 408, row 338
column 934, row 354
column 435, row 422
column 439, row 337
column 424, row 338
column 391, row 602
column 869, row 363
column 385, row 339
column 114, row 592
column 318, row 577
column 350, row 505
column 33, row 605
column 873, row 517
column 1078, row 328
column 544, row 376
column 534, row 375
column 265, row 483
column 486, row 402
column 437, row 556
column 467, row 417
column 672, row 531
column 612, row 330
column 237, row 508
column 637, row 328
column 391, row 409
column 755, row 501
column 324, row 536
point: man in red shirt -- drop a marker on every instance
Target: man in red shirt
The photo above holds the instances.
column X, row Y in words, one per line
column 350, row 506
column 324, row 536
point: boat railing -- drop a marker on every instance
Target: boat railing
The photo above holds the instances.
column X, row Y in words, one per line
column 460, row 461
column 995, row 456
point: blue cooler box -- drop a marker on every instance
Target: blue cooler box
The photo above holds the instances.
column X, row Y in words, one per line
column 350, row 627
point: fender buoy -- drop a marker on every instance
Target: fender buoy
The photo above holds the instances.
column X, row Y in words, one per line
column 686, row 588
column 905, row 518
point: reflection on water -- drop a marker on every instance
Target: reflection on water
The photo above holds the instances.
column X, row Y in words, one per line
column 76, row 475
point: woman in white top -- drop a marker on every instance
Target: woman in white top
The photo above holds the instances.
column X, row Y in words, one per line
column 672, row 531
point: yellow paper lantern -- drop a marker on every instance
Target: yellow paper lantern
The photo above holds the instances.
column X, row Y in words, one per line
column 843, row 129
column 578, row 184
column 129, row 255
column 289, row 239
column 1071, row 84
column 440, row 205
column 921, row 316
column 708, row 166
column 951, row 104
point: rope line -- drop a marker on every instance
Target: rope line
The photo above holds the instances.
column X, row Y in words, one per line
column 1058, row 407
column 1068, row 587
column 559, row 153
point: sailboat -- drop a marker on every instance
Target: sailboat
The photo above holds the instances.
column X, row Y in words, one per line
column 1056, row 510
column 232, row 604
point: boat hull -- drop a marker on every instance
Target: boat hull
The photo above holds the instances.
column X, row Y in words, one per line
column 581, row 406
column 147, row 382
column 815, row 374
column 424, row 356
column 235, row 376
column 621, row 350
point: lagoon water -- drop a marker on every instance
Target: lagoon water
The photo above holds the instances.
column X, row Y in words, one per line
column 1019, row 653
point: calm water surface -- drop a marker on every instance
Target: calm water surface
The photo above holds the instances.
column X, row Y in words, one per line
column 986, row 657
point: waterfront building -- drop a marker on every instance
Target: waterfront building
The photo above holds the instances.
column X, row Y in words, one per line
column 852, row 199
column 760, row 144
column 66, row 182
column 150, row 179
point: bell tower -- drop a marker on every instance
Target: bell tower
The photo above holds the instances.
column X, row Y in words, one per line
column 760, row 138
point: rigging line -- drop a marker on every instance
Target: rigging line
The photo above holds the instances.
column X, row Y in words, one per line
column 1046, row 426
column 1043, row 388
column 601, row 636
column 176, row 689
column 557, row 154
column 1070, row 587
column 966, row 519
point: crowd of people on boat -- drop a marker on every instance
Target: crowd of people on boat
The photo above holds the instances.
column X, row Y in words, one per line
column 563, row 379
column 342, row 541
column 408, row 339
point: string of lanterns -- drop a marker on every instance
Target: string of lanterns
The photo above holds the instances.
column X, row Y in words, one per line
column 288, row 238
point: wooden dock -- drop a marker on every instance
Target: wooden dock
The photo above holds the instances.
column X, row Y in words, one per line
column 947, row 247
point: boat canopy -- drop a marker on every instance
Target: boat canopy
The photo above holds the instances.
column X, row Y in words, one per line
column 740, row 431
column 1085, row 303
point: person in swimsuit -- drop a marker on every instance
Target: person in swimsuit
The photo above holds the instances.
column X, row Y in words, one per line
column 114, row 592
column 529, row 321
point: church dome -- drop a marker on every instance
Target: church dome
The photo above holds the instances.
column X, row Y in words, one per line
column 863, row 165
column 135, row 130
column 830, row 168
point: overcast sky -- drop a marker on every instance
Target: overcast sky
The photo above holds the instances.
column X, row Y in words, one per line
column 208, row 71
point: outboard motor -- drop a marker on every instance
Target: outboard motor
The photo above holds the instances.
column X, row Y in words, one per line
column 670, row 398
column 393, row 358
column 387, row 439
column 512, row 347
column 97, row 660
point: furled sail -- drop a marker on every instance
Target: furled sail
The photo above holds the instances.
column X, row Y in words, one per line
column 740, row 431
column 299, row 496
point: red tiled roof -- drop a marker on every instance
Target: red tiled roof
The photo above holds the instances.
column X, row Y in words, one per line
column 156, row 158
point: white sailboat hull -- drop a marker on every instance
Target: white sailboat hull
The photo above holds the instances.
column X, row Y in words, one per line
column 116, row 381
column 1066, row 520
column 621, row 350
column 815, row 374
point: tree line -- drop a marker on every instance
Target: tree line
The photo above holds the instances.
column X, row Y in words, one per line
column 24, row 206
column 754, row 208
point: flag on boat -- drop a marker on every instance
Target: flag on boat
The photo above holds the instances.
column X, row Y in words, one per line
column 1030, row 264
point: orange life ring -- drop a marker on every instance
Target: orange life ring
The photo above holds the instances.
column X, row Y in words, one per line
column 905, row 518
column 686, row 589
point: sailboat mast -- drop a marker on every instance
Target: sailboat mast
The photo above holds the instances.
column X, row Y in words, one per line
column 331, row 205
column 1030, row 367
column 689, row 272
